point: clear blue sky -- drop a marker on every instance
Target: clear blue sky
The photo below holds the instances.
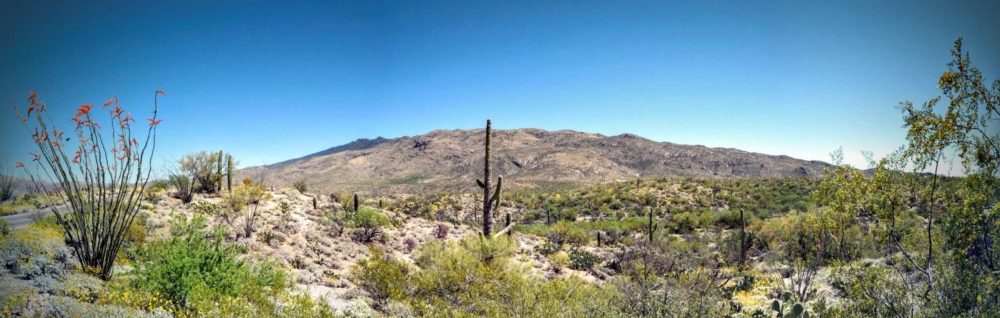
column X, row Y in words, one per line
column 273, row 81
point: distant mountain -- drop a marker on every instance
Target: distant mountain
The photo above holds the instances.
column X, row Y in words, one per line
column 452, row 159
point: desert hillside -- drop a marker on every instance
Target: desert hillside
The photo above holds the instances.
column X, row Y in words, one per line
column 449, row 159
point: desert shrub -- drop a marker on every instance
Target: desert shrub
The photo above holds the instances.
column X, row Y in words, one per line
column 563, row 232
column 409, row 244
column 36, row 252
column 4, row 228
column 40, row 266
column 368, row 223
column 59, row 306
column 194, row 274
column 582, row 260
column 547, row 248
column 441, row 231
column 206, row 208
column 300, row 185
column 559, row 260
column 194, row 268
column 14, row 301
column 245, row 199
column 454, row 280
column 136, row 233
column 268, row 237
column 383, row 277
column 151, row 195
column 284, row 207
column 683, row 223
column 205, row 170
column 182, row 187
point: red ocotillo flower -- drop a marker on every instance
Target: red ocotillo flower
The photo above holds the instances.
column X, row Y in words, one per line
column 126, row 119
column 112, row 100
column 115, row 113
column 161, row 92
column 153, row 121
column 20, row 165
column 32, row 97
column 83, row 110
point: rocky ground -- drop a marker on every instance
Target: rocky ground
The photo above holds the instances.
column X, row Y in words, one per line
column 320, row 258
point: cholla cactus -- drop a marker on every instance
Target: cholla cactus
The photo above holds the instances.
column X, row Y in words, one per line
column 100, row 187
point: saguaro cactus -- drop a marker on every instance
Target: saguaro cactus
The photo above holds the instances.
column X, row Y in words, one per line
column 507, row 223
column 651, row 227
column 218, row 172
column 230, row 165
column 356, row 202
column 490, row 201
column 743, row 240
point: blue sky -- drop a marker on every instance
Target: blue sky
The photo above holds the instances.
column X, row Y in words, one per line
column 273, row 81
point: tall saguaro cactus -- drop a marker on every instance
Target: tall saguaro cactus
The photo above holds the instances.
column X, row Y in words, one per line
column 651, row 227
column 230, row 165
column 490, row 200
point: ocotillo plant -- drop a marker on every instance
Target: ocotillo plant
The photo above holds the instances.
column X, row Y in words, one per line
column 490, row 201
column 101, row 187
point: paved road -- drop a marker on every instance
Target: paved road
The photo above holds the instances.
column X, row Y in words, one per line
column 28, row 217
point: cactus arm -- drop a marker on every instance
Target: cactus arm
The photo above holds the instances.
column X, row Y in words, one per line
column 495, row 199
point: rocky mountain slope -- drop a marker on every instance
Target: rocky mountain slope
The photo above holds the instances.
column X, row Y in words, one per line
column 451, row 160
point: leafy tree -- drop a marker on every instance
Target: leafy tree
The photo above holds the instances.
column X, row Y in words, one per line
column 968, row 127
column 206, row 170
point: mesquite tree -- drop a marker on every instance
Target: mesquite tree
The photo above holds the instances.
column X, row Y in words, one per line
column 490, row 201
column 100, row 180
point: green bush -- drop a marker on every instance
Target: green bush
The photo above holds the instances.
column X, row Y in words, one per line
column 582, row 260
column 568, row 233
column 559, row 260
column 194, row 264
column 383, row 277
column 455, row 281
column 369, row 223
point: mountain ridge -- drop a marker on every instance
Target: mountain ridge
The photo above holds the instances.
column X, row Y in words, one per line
column 448, row 159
